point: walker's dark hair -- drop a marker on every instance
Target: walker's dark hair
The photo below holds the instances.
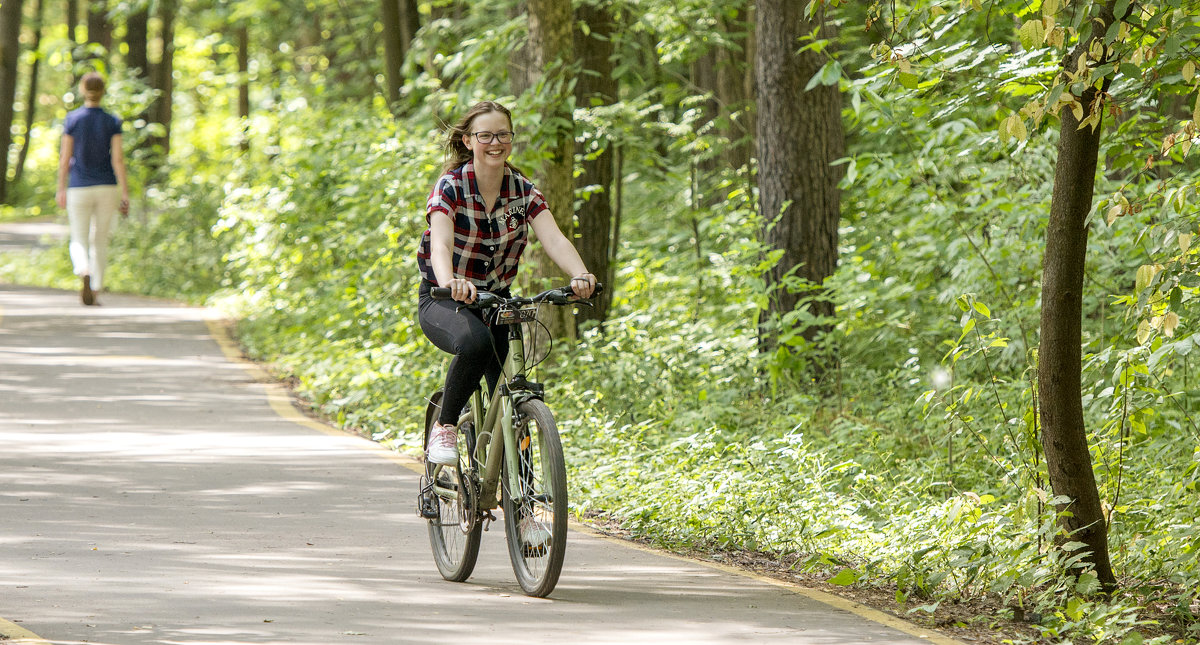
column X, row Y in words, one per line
column 458, row 154
column 93, row 86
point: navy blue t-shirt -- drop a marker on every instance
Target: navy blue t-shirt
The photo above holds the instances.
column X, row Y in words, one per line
column 93, row 130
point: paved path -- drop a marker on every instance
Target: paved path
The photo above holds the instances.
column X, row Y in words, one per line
column 152, row 491
column 41, row 233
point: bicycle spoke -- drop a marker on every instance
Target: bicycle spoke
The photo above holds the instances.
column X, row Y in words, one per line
column 535, row 503
column 454, row 534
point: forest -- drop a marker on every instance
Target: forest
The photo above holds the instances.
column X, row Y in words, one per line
column 898, row 298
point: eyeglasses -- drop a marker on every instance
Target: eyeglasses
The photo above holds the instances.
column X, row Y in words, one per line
column 486, row 137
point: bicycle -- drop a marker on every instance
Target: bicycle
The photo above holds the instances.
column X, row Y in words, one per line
column 508, row 447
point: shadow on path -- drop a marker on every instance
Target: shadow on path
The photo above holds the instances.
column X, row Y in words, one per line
column 150, row 494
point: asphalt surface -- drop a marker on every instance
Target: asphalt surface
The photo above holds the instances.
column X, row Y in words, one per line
column 154, row 490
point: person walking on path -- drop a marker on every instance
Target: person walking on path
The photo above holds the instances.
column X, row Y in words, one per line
column 91, row 184
column 479, row 213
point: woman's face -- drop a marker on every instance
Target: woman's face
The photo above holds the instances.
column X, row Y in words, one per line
column 492, row 154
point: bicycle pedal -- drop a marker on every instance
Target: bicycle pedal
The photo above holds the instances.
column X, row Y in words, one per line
column 427, row 508
column 427, row 502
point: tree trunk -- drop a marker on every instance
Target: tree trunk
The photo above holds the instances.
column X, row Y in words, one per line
column 137, row 37
column 160, row 112
column 73, row 21
column 10, row 53
column 1064, row 437
column 520, row 69
column 99, row 30
column 732, row 91
column 596, row 84
column 243, row 65
column 410, row 24
column 704, row 78
column 393, row 54
column 799, row 135
column 31, row 102
column 750, row 83
column 551, row 51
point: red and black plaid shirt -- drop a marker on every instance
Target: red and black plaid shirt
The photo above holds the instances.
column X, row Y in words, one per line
column 487, row 247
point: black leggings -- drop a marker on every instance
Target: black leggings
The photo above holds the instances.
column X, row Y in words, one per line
column 478, row 350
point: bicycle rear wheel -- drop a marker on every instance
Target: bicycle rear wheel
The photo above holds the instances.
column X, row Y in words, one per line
column 454, row 534
column 535, row 514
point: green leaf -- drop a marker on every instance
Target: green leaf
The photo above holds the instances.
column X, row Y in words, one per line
column 844, row 578
column 1143, row 331
column 829, row 74
column 908, row 80
column 1121, row 8
column 1131, row 70
column 1133, row 638
column 1032, row 34
column 982, row 309
column 967, row 328
column 1087, row 584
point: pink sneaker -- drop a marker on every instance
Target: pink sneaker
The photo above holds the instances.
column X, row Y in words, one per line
column 443, row 446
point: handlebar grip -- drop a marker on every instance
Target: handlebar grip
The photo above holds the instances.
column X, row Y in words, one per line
column 440, row 293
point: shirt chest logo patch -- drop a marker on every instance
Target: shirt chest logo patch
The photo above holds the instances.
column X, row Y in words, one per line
column 513, row 215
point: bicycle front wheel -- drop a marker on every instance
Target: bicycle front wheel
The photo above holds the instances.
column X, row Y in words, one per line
column 535, row 501
column 454, row 534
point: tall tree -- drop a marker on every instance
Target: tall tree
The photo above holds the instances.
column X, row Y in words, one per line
column 400, row 21
column 137, row 39
column 393, row 50
column 10, row 53
column 1064, row 437
column 800, row 134
column 99, row 29
column 72, row 21
column 31, row 101
column 551, row 50
column 160, row 111
column 734, row 86
column 410, row 24
column 596, row 86
column 243, row 83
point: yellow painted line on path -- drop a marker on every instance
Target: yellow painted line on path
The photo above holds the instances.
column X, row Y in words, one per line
column 837, row 602
column 282, row 404
column 11, row 634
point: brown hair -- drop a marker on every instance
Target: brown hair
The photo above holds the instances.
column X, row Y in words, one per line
column 457, row 153
column 93, row 86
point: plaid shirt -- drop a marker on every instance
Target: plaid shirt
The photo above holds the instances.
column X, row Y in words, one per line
column 487, row 248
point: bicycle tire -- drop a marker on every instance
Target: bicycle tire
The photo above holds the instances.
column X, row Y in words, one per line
column 455, row 551
column 543, row 497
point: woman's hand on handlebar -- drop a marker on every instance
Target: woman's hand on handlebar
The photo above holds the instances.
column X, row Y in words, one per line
column 462, row 290
column 583, row 285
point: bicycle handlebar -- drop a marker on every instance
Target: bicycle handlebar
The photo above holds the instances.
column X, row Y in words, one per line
column 486, row 299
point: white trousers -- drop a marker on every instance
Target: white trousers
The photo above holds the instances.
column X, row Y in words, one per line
column 92, row 210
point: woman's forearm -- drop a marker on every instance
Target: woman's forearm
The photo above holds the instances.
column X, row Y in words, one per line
column 557, row 246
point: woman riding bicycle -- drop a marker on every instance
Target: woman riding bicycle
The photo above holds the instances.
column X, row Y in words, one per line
column 479, row 213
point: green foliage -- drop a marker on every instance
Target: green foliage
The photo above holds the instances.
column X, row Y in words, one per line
column 915, row 464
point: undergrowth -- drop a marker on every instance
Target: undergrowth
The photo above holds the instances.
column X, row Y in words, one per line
column 913, row 465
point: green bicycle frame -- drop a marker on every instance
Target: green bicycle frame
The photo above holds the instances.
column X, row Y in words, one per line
column 499, row 415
